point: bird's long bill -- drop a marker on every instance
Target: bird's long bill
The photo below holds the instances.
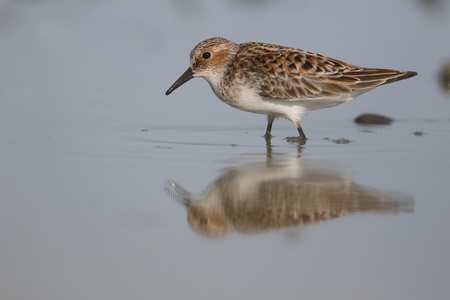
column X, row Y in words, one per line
column 178, row 193
column 183, row 78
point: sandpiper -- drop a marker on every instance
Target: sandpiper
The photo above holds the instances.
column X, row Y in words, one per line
column 280, row 81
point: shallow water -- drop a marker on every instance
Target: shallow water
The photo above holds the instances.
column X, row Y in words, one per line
column 109, row 189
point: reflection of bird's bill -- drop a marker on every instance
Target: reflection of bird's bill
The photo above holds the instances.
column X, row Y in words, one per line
column 205, row 217
column 176, row 192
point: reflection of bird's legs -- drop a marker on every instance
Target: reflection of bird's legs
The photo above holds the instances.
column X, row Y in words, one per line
column 268, row 150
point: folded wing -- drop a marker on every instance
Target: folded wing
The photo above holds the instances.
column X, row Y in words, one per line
column 293, row 74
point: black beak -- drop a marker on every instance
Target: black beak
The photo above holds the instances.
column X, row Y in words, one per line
column 183, row 78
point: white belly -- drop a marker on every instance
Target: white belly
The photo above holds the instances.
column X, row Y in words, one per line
column 245, row 98
column 249, row 100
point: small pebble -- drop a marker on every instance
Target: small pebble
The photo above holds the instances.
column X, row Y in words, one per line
column 341, row 141
column 373, row 119
column 445, row 77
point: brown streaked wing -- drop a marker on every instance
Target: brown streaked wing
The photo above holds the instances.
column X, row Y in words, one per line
column 294, row 74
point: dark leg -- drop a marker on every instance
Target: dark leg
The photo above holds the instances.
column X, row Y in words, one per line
column 270, row 119
column 300, row 130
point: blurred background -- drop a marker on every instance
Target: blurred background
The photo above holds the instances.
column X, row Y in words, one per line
column 88, row 138
column 114, row 59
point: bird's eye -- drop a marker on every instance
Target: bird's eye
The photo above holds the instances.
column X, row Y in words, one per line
column 206, row 55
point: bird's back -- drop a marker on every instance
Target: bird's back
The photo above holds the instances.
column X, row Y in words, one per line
column 291, row 74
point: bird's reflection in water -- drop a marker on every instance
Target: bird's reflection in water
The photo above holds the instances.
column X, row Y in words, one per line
column 281, row 192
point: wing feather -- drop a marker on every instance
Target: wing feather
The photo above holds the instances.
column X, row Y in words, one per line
column 293, row 74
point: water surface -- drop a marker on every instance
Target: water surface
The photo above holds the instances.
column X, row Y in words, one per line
column 109, row 189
